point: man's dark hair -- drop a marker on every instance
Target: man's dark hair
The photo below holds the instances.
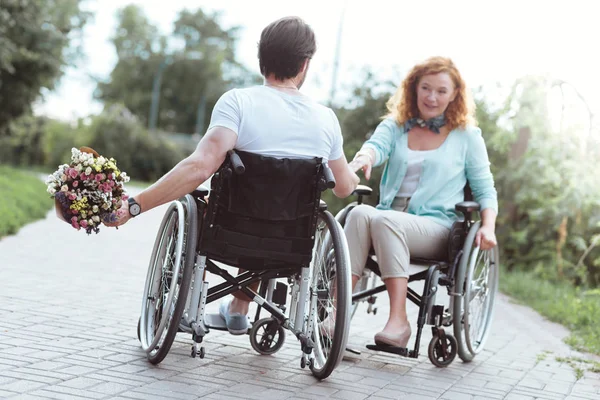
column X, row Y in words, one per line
column 283, row 47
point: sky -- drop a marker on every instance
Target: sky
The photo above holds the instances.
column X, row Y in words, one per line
column 491, row 42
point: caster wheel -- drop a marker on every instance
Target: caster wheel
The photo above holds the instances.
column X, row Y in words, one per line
column 302, row 363
column 437, row 355
column 195, row 352
column 267, row 336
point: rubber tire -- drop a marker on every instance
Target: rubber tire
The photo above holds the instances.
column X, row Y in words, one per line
column 188, row 267
column 461, row 274
column 343, row 294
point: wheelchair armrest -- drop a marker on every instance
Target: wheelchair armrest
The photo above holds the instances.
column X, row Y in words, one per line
column 466, row 207
column 201, row 192
column 362, row 190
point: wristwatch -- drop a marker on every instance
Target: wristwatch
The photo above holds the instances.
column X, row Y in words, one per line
column 134, row 207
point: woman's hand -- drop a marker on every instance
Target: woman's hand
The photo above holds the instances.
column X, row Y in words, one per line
column 362, row 162
column 485, row 238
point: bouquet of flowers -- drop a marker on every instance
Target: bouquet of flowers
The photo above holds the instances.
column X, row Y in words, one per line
column 87, row 191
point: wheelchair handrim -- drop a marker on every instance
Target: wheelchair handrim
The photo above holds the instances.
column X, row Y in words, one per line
column 487, row 308
column 176, row 267
column 342, row 260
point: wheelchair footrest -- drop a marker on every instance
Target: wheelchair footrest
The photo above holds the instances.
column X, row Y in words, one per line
column 401, row 351
column 215, row 321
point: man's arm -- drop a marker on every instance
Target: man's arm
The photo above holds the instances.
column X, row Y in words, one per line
column 188, row 174
column 345, row 179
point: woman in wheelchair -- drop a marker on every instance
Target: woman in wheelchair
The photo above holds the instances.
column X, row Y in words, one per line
column 432, row 149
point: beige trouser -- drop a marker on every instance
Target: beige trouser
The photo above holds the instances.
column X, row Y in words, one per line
column 395, row 236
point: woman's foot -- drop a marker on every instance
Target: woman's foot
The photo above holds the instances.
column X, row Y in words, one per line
column 394, row 334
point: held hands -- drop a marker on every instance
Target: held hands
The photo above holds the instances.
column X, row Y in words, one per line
column 362, row 162
column 485, row 238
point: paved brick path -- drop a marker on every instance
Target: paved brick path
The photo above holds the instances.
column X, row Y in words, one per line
column 69, row 306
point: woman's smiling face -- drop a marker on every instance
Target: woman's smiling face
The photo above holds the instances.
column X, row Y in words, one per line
column 434, row 93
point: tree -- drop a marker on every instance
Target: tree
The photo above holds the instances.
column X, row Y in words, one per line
column 192, row 77
column 35, row 46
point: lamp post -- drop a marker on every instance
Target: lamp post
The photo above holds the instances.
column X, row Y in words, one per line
column 156, row 93
column 336, row 58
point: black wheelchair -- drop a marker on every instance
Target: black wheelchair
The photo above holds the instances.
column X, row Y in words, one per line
column 266, row 216
column 470, row 276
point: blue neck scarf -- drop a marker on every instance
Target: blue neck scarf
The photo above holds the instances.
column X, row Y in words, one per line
column 433, row 124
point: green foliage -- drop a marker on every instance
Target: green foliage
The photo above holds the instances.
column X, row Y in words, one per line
column 577, row 309
column 35, row 38
column 40, row 141
column 24, row 199
column 548, row 188
column 117, row 133
column 192, row 78
column 358, row 119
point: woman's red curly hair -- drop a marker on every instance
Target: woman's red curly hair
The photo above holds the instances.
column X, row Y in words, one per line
column 402, row 106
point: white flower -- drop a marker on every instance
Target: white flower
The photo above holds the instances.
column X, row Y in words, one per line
column 64, row 188
column 90, row 221
column 101, row 160
column 79, row 168
column 83, row 214
column 88, row 170
column 96, row 218
column 95, row 208
column 63, row 177
column 51, row 190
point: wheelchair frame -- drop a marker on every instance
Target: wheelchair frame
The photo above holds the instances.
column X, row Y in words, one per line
column 182, row 308
column 456, row 275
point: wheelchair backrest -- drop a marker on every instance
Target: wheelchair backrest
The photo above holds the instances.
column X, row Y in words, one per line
column 265, row 217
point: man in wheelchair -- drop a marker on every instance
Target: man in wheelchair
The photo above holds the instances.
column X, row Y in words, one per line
column 279, row 135
column 432, row 150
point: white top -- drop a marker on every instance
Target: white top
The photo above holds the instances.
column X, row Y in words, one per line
column 413, row 172
column 278, row 124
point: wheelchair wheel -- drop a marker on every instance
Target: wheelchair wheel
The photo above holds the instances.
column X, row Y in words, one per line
column 168, row 278
column 267, row 336
column 477, row 280
column 442, row 352
column 330, row 295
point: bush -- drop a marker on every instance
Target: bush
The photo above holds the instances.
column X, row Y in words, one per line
column 117, row 133
column 24, row 199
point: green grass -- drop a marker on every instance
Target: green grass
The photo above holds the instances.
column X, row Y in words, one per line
column 23, row 199
column 576, row 309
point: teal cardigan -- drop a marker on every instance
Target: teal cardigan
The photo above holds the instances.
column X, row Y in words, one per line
column 463, row 156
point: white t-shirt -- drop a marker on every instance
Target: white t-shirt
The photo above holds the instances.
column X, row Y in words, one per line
column 413, row 172
column 273, row 123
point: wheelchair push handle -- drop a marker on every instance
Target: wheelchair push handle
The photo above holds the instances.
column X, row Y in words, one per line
column 329, row 178
column 236, row 162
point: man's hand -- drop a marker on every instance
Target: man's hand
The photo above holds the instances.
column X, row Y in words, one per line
column 122, row 216
column 362, row 162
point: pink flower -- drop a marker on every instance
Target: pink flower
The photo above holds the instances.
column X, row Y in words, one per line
column 74, row 212
column 72, row 196
column 75, row 183
column 73, row 219
column 106, row 188
column 124, row 197
column 84, row 223
column 72, row 172
column 83, row 176
column 99, row 177
column 75, row 224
